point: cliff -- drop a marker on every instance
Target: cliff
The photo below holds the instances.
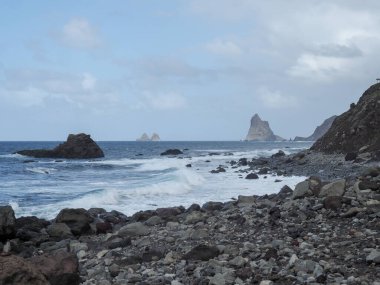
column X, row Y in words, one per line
column 260, row 131
column 356, row 128
column 319, row 131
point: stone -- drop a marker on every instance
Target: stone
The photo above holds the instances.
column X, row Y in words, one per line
column 302, row 190
column 212, row 206
column 202, row 252
column 332, row 202
column 280, row 153
column 134, row 229
column 335, row 188
column 315, row 185
column 173, row 151
column 78, row 220
column 246, row 200
column 153, row 221
column 374, row 256
column 57, row 264
column 17, row 270
column 194, row 217
column 79, row 146
column 59, row 230
column 7, row 223
column 252, row 176
column 350, row 156
column 266, row 282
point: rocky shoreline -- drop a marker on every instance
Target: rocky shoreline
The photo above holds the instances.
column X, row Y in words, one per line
column 325, row 231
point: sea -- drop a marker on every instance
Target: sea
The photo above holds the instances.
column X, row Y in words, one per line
column 133, row 176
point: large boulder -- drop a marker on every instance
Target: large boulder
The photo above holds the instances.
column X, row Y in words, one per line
column 302, row 190
column 356, row 128
column 202, row 252
column 7, row 222
column 78, row 146
column 172, row 151
column 58, row 265
column 16, row 270
column 335, row 188
column 78, row 220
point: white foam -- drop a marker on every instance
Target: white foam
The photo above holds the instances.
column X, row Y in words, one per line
column 41, row 170
column 12, row 155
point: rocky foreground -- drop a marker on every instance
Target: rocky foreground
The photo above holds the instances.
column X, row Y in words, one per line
column 322, row 232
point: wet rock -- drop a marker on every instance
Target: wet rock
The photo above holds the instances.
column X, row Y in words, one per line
column 202, row 252
column 78, row 146
column 280, row 153
column 78, row 220
column 252, row 176
column 172, row 151
column 103, row 227
column 219, row 169
column 212, row 206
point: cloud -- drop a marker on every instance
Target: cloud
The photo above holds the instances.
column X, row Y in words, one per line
column 79, row 33
column 31, row 87
column 168, row 101
column 226, row 48
column 275, row 99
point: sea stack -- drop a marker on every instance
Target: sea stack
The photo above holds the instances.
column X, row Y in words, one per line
column 260, row 131
column 78, row 146
column 155, row 137
column 319, row 131
column 144, row 138
column 358, row 129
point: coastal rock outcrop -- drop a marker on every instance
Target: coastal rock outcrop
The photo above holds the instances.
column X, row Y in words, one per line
column 319, row 131
column 7, row 222
column 172, row 151
column 260, row 131
column 357, row 129
column 79, row 146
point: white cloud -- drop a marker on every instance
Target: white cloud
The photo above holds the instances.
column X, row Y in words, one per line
column 167, row 101
column 276, row 100
column 88, row 82
column 79, row 33
column 226, row 48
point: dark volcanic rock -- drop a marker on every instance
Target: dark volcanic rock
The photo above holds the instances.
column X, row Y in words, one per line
column 78, row 220
column 350, row 156
column 252, row 176
column 7, row 222
column 202, row 252
column 355, row 128
column 173, row 151
column 16, row 270
column 78, row 146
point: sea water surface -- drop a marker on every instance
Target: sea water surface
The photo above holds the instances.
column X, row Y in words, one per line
column 132, row 176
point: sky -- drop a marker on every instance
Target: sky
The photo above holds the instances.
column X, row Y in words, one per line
column 185, row 69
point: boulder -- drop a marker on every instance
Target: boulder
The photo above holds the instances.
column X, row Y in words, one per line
column 202, row 252
column 59, row 230
column 7, row 223
column 17, row 270
column 79, row 146
column 335, row 188
column 280, row 153
column 60, row 264
column 172, row 151
column 252, row 176
column 351, row 156
column 302, row 190
column 78, row 220
column 134, row 229
column 333, row 202
column 212, row 206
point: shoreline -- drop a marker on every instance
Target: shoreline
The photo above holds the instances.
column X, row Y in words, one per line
column 293, row 237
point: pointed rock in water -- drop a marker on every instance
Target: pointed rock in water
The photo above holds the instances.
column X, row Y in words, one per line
column 78, row 146
column 260, row 131
column 155, row 137
column 144, row 138
column 319, row 131
column 356, row 128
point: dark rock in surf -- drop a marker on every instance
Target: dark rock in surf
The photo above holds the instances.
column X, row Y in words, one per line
column 173, row 151
column 252, row 176
column 79, row 146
